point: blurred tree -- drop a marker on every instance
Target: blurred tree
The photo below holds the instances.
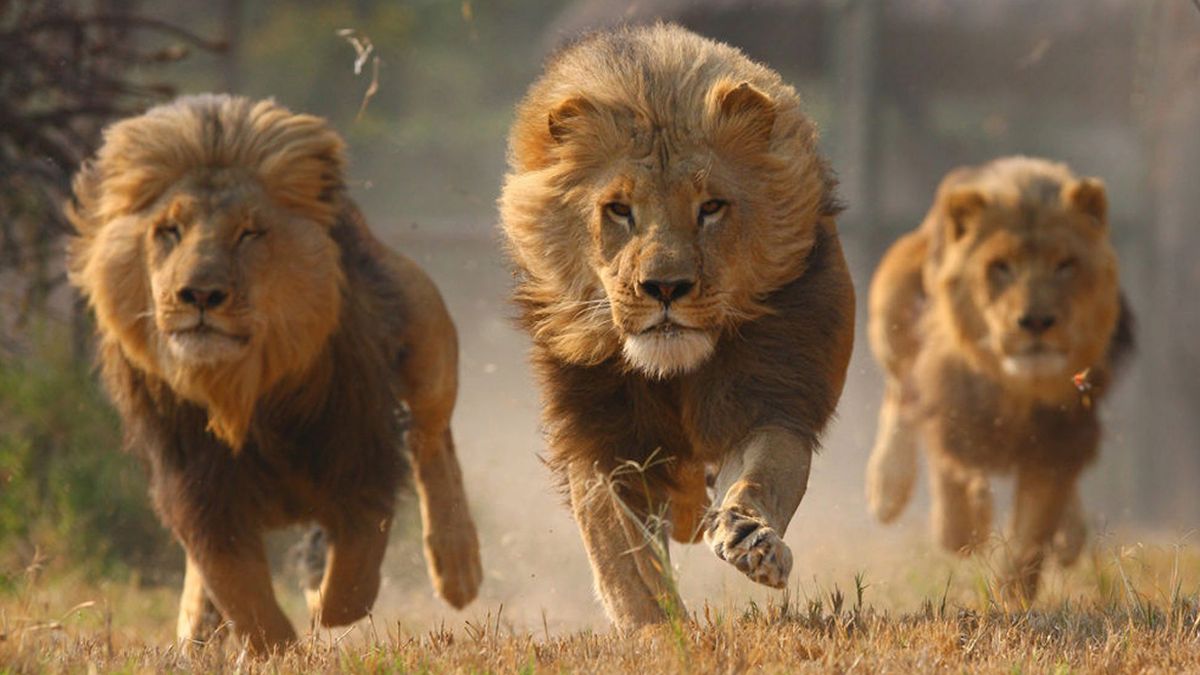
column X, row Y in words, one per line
column 66, row 69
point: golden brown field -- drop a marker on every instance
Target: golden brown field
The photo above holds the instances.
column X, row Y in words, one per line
column 1129, row 608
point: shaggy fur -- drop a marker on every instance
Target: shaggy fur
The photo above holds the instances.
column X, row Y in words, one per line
column 261, row 346
column 678, row 267
column 999, row 323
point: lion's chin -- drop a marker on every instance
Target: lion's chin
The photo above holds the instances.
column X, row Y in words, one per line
column 205, row 347
column 662, row 353
column 1036, row 365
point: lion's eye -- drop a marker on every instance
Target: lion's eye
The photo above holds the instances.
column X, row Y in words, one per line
column 712, row 207
column 1066, row 268
column 999, row 269
column 249, row 234
column 168, row 231
column 619, row 212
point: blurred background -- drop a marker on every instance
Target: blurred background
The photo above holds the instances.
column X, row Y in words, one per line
column 423, row 91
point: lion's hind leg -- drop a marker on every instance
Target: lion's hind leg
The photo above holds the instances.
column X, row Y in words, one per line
column 308, row 558
column 892, row 468
column 451, row 542
column 689, row 503
column 429, row 375
column 199, row 620
column 350, row 578
column 1071, row 536
column 961, row 513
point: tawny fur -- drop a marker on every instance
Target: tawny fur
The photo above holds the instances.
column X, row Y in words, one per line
column 719, row 190
column 999, row 323
column 261, row 346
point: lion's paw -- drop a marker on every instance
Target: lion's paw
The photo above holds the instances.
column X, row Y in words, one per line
column 750, row 545
column 454, row 566
column 1069, row 540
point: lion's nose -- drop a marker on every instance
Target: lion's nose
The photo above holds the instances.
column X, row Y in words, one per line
column 667, row 292
column 202, row 298
column 1036, row 323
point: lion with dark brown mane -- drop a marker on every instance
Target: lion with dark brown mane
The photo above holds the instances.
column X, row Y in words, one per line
column 264, row 350
column 1000, row 324
column 672, row 225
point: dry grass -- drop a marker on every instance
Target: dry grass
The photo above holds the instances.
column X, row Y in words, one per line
column 1129, row 610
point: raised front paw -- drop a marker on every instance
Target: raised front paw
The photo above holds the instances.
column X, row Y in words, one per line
column 454, row 566
column 749, row 544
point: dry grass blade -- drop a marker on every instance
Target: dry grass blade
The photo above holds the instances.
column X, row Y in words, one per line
column 1149, row 621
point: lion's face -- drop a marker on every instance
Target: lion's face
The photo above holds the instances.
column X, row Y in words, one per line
column 649, row 229
column 205, row 251
column 670, row 246
column 226, row 268
column 1035, row 289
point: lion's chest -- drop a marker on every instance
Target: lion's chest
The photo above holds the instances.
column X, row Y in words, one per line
column 980, row 424
column 290, row 470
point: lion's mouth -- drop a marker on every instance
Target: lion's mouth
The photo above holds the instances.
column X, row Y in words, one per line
column 1038, row 360
column 666, row 329
column 204, row 343
column 668, row 348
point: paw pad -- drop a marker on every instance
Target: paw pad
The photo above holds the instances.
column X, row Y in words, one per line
column 749, row 544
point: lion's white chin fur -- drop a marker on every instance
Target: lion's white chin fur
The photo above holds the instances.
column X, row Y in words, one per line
column 663, row 353
column 1036, row 365
column 191, row 348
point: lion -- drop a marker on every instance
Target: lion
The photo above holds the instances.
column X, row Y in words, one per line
column 264, row 351
column 672, row 229
column 999, row 323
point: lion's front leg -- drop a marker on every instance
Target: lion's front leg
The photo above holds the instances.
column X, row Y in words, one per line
column 1042, row 498
column 239, row 583
column 758, row 489
column 627, row 551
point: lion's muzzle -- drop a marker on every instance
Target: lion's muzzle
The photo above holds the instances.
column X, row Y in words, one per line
column 667, row 292
column 202, row 298
column 667, row 348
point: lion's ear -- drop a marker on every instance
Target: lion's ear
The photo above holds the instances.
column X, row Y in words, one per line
column 961, row 205
column 298, row 157
column 1088, row 196
column 563, row 117
column 746, row 110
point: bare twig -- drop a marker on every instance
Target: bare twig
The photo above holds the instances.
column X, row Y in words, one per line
column 364, row 50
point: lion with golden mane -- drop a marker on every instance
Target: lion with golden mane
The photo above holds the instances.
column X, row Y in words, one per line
column 672, row 226
column 264, row 351
column 999, row 323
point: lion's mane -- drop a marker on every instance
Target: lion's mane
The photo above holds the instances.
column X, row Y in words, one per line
column 241, row 446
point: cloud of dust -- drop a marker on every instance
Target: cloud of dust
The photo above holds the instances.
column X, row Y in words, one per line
column 536, row 573
column 534, row 562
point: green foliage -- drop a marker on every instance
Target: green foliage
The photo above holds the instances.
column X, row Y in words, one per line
column 66, row 490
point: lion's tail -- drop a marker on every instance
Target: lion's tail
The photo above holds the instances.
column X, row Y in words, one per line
column 892, row 469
